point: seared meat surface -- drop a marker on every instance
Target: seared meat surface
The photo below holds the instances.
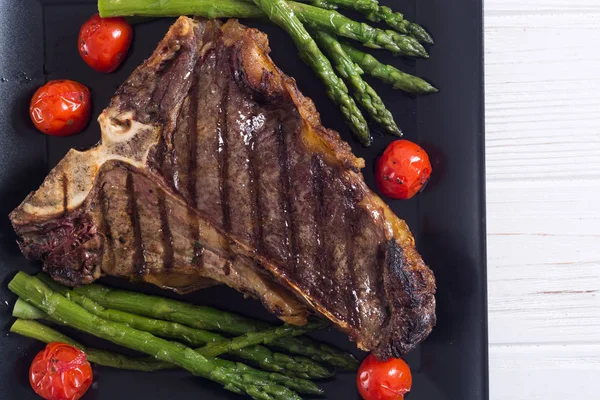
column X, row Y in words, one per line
column 214, row 168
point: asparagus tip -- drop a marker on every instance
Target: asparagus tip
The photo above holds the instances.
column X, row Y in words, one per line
column 419, row 33
column 396, row 132
column 417, row 49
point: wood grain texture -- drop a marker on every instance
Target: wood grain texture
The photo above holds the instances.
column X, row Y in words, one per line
column 544, row 372
column 543, row 192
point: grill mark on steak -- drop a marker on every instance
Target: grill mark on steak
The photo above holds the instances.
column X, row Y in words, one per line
column 192, row 162
column 165, row 232
column 238, row 113
column 371, row 310
column 223, row 132
column 65, row 190
column 319, row 217
column 105, row 226
column 350, row 298
column 192, row 177
column 208, row 183
column 180, row 154
column 254, row 189
column 162, row 99
column 302, row 208
column 289, row 221
column 273, row 232
column 139, row 262
column 335, row 243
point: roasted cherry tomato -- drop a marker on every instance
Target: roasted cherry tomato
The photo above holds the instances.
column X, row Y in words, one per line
column 61, row 108
column 383, row 380
column 60, row 372
column 104, row 42
column 403, row 170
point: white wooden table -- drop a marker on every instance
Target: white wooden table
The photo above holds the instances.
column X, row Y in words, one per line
column 543, row 192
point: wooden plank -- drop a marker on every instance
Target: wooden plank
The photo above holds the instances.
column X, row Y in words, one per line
column 542, row 93
column 545, row 372
column 540, row 7
column 544, row 262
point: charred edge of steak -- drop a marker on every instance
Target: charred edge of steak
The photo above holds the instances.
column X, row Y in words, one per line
column 69, row 247
column 265, row 87
column 412, row 303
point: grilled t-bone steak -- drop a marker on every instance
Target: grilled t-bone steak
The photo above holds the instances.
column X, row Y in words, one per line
column 214, row 168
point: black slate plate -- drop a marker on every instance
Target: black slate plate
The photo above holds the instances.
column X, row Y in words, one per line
column 38, row 43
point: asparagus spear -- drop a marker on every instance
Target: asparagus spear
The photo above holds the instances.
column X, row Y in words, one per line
column 215, row 349
column 208, row 318
column 322, row 4
column 318, row 18
column 363, row 6
column 62, row 309
column 175, row 8
column 214, row 343
column 43, row 333
column 24, row 310
column 396, row 21
column 364, row 94
column 387, row 73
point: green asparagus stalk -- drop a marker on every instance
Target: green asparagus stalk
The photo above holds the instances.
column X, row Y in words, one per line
column 200, row 317
column 363, row 6
column 204, row 317
column 24, row 310
column 215, row 349
column 240, row 347
column 328, row 5
column 376, row 13
column 317, row 18
column 175, row 8
column 364, row 94
column 387, row 73
column 281, row 14
column 62, row 309
column 43, row 333
column 396, row 21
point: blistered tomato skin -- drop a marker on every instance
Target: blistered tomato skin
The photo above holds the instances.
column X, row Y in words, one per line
column 383, row 380
column 61, row 108
column 403, row 170
column 104, row 42
column 60, row 372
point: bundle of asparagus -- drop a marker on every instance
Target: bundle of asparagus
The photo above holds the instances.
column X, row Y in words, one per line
column 326, row 25
column 144, row 323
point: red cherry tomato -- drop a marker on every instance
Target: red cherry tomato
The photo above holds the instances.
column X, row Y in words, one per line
column 383, row 380
column 61, row 108
column 60, row 372
column 104, row 42
column 403, row 170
